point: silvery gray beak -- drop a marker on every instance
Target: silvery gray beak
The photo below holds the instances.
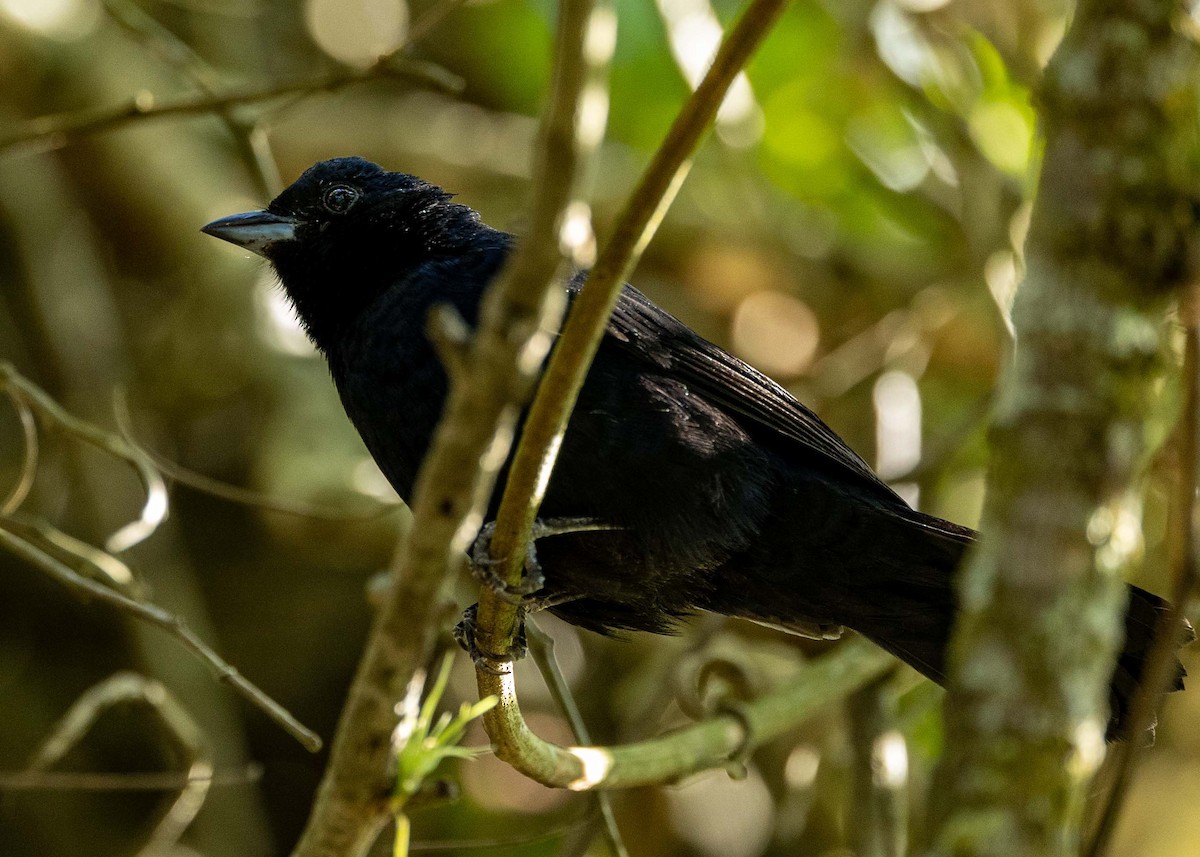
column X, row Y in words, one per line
column 254, row 230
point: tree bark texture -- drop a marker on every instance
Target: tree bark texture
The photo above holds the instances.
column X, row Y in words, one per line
column 1111, row 242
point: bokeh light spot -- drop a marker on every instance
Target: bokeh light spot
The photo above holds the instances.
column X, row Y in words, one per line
column 898, row 424
column 776, row 332
column 799, row 137
column 1004, row 134
column 357, row 32
column 720, row 816
column 64, row 20
column 695, row 35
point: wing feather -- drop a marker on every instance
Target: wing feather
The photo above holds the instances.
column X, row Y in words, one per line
column 641, row 326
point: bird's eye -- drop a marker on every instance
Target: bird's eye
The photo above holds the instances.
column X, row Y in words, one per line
column 339, row 198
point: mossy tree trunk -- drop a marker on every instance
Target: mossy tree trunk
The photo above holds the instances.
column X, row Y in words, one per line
column 1111, row 243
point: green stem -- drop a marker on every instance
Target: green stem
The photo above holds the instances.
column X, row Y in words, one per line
column 707, row 744
column 403, row 834
column 551, row 409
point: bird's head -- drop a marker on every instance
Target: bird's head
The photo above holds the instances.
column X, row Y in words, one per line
column 346, row 231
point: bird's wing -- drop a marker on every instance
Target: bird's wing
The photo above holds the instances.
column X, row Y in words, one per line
column 654, row 335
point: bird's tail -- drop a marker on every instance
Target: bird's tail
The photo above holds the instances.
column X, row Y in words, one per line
column 1143, row 618
column 908, row 610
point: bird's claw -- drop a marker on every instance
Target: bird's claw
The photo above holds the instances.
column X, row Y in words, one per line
column 483, row 567
column 464, row 634
column 483, row 563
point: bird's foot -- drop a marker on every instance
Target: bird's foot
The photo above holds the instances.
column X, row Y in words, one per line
column 483, row 564
column 464, row 634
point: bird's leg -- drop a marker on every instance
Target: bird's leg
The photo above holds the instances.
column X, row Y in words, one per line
column 483, row 563
column 464, row 632
column 523, row 595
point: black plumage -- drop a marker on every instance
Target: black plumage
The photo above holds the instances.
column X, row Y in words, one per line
column 723, row 492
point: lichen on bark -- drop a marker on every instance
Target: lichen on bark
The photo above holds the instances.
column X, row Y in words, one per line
column 1111, row 241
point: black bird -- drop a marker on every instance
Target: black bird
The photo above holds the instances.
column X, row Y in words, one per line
column 718, row 490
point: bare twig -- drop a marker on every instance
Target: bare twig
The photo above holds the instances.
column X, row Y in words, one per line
column 60, row 129
column 540, row 256
column 86, row 559
column 29, row 461
column 456, row 478
column 584, row 328
column 131, row 687
column 1159, row 670
column 541, row 647
column 235, row 493
column 547, row 420
column 180, row 56
column 169, row 622
column 880, row 774
column 154, row 510
column 125, row 781
column 710, row 743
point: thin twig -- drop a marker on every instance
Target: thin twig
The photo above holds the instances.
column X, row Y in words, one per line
column 538, row 259
column 585, row 326
column 84, row 558
column 251, row 137
column 236, row 493
column 541, row 647
column 131, row 687
column 547, row 420
column 709, row 743
column 1158, row 672
column 169, row 622
column 29, row 460
column 179, row 55
column 177, row 473
column 60, row 129
column 453, row 484
column 154, row 510
column 124, row 781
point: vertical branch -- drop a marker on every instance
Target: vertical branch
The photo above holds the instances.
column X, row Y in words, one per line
column 571, row 137
column 541, row 647
column 563, row 379
column 489, row 378
column 880, row 777
column 1112, row 239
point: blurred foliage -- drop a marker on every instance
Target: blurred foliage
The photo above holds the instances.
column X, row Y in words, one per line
column 855, row 218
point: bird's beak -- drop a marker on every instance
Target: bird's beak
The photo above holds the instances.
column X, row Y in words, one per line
column 257, row 231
